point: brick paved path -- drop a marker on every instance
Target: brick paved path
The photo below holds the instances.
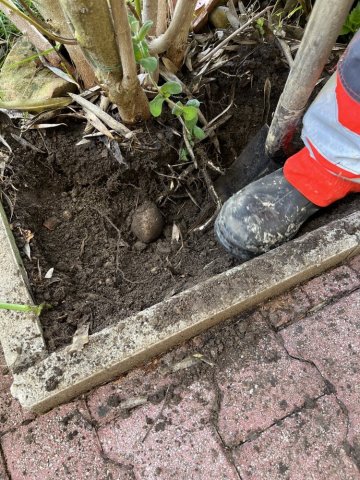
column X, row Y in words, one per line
column 274, row 394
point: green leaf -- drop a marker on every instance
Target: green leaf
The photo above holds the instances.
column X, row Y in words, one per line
column 170, row 88
column 352, row 23
column 354, row 16
column 190, row 113
column 144, row 30
column 178, row 109
column 346, row 29
column 199, row 133
column 183, row 154
column 134, row 24
column 149, row 64
column 137, row 51
column 144, row 49
column 260, row 25
column 156, row 105
column 193, row 103
column 190, row 124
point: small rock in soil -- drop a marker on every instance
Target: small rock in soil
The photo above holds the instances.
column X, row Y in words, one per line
column 51, row 223
column 67, row 215
column 147, row 223
column 139, row 246
column 219, row 17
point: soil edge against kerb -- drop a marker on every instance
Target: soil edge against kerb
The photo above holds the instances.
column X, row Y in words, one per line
column 20, row 333
column 62, row 375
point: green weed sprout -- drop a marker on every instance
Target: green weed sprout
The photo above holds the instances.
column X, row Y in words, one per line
column 352, row 23
column 189, row 112
column 260, row 22
column 37, row 309
column 141, row 49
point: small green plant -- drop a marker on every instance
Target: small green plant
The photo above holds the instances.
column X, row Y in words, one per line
column 141, row 49
column 37, row 309
column 260, row 22
column 188, row 113
column 352, row 23
column 293, row 10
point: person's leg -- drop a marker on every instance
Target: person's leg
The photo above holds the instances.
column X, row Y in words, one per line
column 271, row 210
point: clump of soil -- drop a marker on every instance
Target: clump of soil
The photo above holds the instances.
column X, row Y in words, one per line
column 79, row 203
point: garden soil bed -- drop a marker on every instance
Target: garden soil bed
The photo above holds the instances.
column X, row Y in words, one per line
column 71, row 198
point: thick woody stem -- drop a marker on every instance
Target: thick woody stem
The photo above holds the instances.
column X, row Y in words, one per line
column 94, row 31
column 150, row 12
column 133, row 92
column 162, row 17
column 174, row 40
column 53, row 15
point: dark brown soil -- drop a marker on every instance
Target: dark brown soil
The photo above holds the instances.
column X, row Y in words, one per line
column 75, row 200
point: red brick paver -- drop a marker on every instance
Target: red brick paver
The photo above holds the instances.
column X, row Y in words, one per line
column 260, row 384
column 331, row 339
column 131, row 391
column 354, row 263
column 59, row 445
column 168, row 441
column 306, row 445
column 331, row 284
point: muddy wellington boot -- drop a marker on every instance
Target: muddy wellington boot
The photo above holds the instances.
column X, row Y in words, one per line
column 262, row 216
column 271, row 210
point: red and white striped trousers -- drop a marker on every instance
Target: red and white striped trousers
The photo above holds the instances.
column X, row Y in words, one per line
column 328, row 168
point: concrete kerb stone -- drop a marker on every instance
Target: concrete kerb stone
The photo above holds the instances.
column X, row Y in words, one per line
column 63, row 375
column 20, row 333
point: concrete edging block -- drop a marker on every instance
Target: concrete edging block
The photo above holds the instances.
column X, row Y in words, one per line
column 20, row 333
column 62, row 375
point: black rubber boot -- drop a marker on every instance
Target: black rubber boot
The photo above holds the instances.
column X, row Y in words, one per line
column 262, row 216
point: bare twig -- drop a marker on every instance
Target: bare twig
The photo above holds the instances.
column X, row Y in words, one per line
column 56, row 19
column 234, row 34
column 11, row 8
column 97, row 123
column 187, row 143
column 120, row 241
column 105, row 117
column 213, row 194
column 34, row 36
column 267, row 93
column 286, row 51
column 179, row 179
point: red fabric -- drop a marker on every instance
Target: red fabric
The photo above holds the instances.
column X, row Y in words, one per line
column 314, row 181
column 348, row 108
column 336, row 169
